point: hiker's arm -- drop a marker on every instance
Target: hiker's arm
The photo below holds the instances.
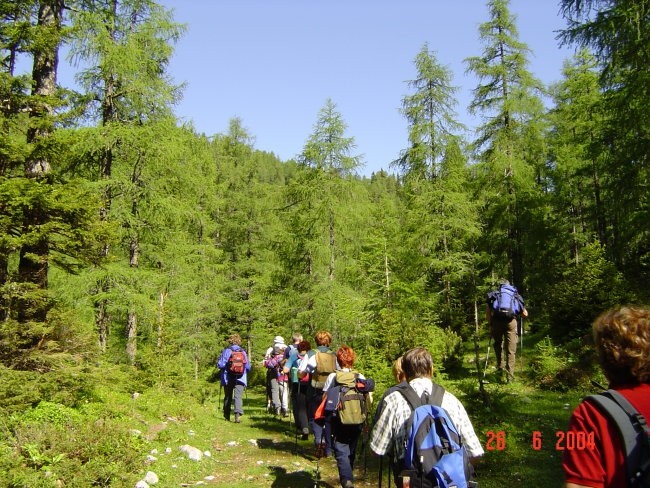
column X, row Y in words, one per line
column 223, row 360
column 488, row 313
column 573, row 485
column 524, row 312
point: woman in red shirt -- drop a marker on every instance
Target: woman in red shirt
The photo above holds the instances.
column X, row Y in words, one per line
column 622, row 338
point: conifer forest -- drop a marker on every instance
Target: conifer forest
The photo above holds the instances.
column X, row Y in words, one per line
column 131, row 245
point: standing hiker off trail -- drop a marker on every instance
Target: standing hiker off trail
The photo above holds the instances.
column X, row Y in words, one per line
column 504, row 305
column 234, row 365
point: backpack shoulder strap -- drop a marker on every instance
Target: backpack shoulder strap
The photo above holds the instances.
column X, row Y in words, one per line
column 436, row 395
column 410, row 395
column 631, row 424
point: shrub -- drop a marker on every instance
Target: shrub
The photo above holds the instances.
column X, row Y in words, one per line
column 556, row 368
column 586, row 290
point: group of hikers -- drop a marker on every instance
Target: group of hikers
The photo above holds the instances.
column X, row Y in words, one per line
column 422, row 431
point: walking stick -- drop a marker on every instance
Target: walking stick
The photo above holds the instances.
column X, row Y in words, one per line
column 364, row 448
column 487, row 357
column 521, row 339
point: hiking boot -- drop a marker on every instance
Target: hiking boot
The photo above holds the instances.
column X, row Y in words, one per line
column 226, row 416
column 305, row 434
column 277, row 411
column 237, row 420
column 348, row 484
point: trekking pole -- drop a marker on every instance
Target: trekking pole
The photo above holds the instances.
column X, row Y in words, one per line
column 294, row 414
column 319, row 453
column 390, row 474
column 487, row 357
column 364, row 448
column 521, row 339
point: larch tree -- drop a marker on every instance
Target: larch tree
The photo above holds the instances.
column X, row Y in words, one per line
column 431, row 118
column 618, row 32
column 577, row 165
column 508, row 99
column 317, row 213
column 440, row 216
column 124, row 47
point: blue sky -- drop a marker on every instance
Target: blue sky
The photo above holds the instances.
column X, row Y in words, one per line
column 274, row 63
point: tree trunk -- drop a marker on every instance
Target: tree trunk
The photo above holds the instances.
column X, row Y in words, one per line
column 132, row 336
column 102, row 321
column 34, row 255
column 161, row 319
column 332, row 248
column 102, row 318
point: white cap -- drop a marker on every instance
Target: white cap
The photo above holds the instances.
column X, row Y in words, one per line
column 278, row 340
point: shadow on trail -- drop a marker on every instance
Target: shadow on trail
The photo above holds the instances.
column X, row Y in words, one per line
column 304, row 449
column 298, row 479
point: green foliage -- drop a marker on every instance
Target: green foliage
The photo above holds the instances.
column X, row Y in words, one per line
column 564, row 368
column 583, row 292
column 54, row 414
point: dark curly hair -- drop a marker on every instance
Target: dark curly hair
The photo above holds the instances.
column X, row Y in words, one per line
column 622, row 337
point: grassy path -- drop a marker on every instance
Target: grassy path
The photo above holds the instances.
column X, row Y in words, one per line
column 262, row 451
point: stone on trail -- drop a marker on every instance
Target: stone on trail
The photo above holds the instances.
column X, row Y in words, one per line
column 192, row 452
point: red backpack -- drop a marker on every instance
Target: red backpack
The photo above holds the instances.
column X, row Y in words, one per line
column 237, row 363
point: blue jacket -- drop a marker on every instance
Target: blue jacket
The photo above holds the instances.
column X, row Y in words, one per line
column 223, row 362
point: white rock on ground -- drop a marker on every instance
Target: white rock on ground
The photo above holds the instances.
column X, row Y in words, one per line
column 192, row 452
column 142, row 484
column 151, row 478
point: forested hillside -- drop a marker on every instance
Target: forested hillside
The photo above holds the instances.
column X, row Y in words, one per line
column 130, row 243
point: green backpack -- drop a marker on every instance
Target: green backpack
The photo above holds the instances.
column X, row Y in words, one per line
column 352, row 408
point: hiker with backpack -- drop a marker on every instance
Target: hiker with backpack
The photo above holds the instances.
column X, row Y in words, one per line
column 410, row 414
column 504, row 306
column 299, row 388
column 278, row 378
column 613, row 425
column 319, row 366
column 351, row 404
column 271, row 374
column 234, row 366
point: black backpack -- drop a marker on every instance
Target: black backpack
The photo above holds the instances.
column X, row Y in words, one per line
column 434, row 453
column 634, row 431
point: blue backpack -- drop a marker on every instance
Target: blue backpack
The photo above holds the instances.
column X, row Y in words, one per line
column 505, row 303
column 435, row 455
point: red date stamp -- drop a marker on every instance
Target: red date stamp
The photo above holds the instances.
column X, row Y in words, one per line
column 564, row 440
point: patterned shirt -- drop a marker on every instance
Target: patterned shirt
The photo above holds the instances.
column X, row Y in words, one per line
column 389, row 432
